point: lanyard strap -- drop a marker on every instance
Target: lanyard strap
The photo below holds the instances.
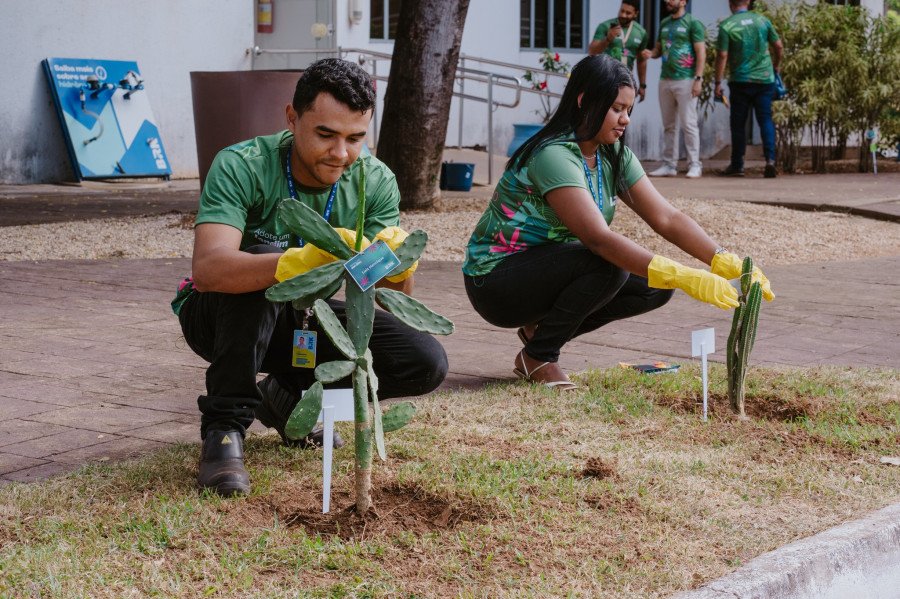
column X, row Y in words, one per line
column 290, row 181
column 598, row 197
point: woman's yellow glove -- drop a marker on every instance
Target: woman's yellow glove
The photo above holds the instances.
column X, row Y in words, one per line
column 663, row 273
column 730, row 266
column 296, row 261
column 394, row 236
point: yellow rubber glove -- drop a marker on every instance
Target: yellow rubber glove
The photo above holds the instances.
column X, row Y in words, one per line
column 730, row 266
column 394, row 236
column 663, row 273
column 296, row 261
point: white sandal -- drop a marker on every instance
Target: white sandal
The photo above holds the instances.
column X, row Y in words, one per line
column 527, row 375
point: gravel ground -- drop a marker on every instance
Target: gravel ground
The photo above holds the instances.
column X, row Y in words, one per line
column 772, row 235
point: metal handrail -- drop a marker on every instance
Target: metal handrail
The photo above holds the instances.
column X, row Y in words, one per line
column 463, row 74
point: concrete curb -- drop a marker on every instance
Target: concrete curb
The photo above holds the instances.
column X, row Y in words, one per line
column 860, row 559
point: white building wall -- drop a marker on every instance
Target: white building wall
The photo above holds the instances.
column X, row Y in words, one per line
column 167, row 38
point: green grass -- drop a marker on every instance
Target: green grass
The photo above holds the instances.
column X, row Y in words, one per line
column 488, row 493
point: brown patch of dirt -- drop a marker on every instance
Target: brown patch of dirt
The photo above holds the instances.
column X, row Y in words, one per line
column 599, row 468
column 764, row 407
column 397, row 507
column 626, row 506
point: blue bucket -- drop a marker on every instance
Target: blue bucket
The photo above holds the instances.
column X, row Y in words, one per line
column 457, row 176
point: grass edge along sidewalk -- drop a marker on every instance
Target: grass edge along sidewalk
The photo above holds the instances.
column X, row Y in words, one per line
column 617, row 490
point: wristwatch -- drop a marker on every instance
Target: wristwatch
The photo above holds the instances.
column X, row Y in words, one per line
column 720, row 250
column 643, row 86
column 698, row 78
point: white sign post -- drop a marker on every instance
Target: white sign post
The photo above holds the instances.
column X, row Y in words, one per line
column 703, row 342
column 337, row 406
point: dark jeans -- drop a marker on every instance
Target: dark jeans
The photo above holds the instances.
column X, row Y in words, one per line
column 243, row 334
column 565, row 289
column 758, row 97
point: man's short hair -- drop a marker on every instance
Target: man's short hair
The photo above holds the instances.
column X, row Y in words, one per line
column 635, row 4
column 347, row 82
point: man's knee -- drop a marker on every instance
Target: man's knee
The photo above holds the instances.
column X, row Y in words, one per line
column 429, row 365
column 660, row 297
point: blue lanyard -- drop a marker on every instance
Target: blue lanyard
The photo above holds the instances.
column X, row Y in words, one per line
column 290, row 181
column 598, row 197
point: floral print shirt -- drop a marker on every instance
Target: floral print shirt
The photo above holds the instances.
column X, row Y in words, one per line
column 518, row 215
column 677, row 38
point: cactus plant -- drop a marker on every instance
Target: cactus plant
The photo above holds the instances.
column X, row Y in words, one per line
column 742, row 336
column 311, row 289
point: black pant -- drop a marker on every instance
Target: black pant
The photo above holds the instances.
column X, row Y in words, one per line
column 565, row 289
column 242, row 334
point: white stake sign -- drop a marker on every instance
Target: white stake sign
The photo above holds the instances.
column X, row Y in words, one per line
column 703, row 342
column 337, row 406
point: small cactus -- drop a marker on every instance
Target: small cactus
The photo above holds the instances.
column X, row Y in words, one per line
column 311, row 289
column 742, row 336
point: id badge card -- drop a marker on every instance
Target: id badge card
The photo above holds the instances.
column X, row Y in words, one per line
column 304, row 355
column 372, row 264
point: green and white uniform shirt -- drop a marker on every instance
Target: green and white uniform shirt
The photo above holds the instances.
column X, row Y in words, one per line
column 746, row 37
column 626, row 47
column 676, row 40
column 247, row 182
column 518, row 216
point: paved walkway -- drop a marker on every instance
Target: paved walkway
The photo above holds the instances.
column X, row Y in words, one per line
column 93, row 365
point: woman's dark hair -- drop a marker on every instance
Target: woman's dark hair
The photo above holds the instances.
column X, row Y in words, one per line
column 344, row 80
column 599, row 79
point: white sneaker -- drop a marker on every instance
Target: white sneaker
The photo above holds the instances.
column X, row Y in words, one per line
column 664, row 171
column 694, row 172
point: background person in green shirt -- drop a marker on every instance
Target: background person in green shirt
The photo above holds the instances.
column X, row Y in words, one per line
column 744, row 43
column 681, row 45
column 241, row 248
column 624, row 39
column 543, row 257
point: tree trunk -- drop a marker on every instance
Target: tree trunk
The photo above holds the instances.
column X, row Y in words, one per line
column 417, row 100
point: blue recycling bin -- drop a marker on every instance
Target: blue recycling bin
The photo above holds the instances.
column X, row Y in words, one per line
column 457, row 176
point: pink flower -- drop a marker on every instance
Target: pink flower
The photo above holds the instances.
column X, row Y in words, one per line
column 508, row 247
column 543, row 85
column 556, row 57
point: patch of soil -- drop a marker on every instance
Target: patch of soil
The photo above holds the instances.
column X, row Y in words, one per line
column 599, row 468
column 625, row 506
column 397, row 508
column 765, row 407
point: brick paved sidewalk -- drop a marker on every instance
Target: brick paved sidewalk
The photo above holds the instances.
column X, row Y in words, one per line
column 93, row 366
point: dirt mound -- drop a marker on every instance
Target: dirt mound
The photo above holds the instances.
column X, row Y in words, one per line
column 598, row 468
column 764, row 407
column 397, row 508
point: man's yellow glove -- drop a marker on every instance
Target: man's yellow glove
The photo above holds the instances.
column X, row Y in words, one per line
column 663, row 273
column 296, row 261
column 730, row 266
column 394, row 236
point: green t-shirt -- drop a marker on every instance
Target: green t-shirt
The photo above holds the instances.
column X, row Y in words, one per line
column 518, row 215
column 746, row 37
column 247, row 182
column 631, row 43
column 676, row 39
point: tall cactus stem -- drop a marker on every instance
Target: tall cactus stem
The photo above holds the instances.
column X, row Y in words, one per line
column 362, row 442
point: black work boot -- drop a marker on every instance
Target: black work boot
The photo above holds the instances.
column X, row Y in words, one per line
column 222, row 464
column 732, row 171
column 275, row 409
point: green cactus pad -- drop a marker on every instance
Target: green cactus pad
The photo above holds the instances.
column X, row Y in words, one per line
column 413, row 312
column 746, row 275
column 306, row 301
column 409, row 251
column 312, row 228
column 370, row 370
column 398, row 416
column 332, row 372
column 310, row 284
column 334, row 329
column 305, row 414
column 360, row 316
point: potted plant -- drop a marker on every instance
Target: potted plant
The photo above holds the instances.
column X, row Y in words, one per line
column 550, row 63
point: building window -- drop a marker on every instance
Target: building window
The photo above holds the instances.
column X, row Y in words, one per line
column 557, row 24
column 384, row 16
